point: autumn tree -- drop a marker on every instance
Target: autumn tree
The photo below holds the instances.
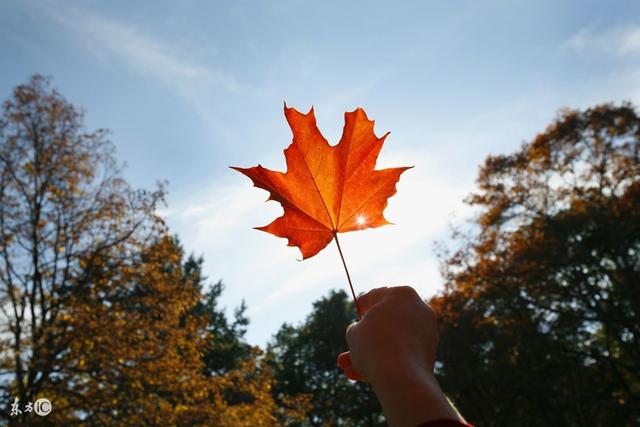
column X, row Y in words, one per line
column 541, row 314
column 140, row 347
column 100, row 311
column 134, row 350
column 63, row 205
column 304, row 360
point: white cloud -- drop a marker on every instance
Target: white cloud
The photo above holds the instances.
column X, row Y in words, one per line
column 622, row 43
column 624, row 40
column 194, row 82
column 631, row 41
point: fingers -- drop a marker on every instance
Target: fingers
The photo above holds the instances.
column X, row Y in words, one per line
column 344, row 362
column 351, row 374
column 371, row 298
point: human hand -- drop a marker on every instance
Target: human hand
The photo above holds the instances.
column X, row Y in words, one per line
column 398, row 330
column 393, row 347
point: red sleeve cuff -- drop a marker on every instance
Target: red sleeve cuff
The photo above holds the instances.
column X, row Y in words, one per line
column 444, row 423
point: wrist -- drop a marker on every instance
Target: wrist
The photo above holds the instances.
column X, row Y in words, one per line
column 396, row 368
column 410, row 394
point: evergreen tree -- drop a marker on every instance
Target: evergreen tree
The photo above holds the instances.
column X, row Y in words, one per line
column 304, row 362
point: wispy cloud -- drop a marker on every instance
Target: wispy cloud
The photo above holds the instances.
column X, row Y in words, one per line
column 622, row 40
column 167, row 63
column 622, row 43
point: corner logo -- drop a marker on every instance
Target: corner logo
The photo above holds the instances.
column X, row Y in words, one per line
column 42, row 407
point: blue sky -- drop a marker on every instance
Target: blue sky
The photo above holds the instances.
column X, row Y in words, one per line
column 188, row 88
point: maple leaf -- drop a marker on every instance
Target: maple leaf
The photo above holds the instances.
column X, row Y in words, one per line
column 327, row 189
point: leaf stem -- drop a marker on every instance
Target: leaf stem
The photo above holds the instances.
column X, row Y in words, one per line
column 346, row 270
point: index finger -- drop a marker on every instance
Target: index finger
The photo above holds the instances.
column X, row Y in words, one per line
column 371, row 298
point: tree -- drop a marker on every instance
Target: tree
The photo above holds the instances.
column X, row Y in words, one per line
column 138, row 355
column 541, row 313
column 134, row 356
column 226, row 354
column 63, row 206
column 226, row 344
column 100, row 312
column 304, row 362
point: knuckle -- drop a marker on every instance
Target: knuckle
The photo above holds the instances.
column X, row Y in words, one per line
column 350, row 331
column 405, row 292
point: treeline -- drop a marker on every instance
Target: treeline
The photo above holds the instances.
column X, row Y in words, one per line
column 103, row 313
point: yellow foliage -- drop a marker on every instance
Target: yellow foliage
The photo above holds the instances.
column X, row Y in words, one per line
column 140, row 360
